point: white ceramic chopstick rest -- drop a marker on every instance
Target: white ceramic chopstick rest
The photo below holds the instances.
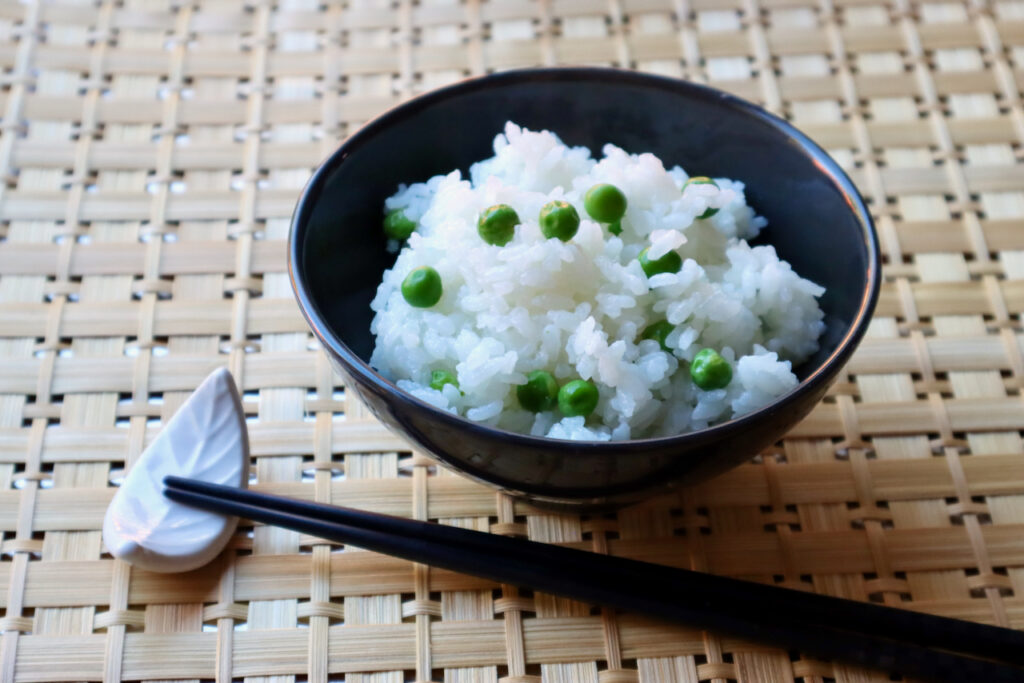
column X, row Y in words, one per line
column 207, row 440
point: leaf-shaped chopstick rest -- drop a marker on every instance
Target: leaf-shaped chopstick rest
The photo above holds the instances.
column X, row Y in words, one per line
column 207, row 440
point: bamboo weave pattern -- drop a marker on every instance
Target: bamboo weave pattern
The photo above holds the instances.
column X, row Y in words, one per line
column 151, row 152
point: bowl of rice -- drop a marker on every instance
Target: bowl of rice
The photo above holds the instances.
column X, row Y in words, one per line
column 584, row 285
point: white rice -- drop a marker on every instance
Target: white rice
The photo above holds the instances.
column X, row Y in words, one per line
column 577, row 309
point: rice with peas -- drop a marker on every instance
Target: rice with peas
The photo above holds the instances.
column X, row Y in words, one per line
column 578, row 309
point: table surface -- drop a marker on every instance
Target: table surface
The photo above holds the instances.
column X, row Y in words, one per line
column 151, row 152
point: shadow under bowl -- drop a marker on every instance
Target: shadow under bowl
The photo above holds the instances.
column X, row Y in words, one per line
column 816, row 220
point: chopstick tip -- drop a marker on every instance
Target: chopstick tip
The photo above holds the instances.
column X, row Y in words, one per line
column 172, row 481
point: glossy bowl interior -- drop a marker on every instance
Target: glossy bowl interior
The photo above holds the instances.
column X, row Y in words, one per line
column 816, row 221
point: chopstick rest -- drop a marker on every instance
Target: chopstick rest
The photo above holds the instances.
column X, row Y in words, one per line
column 205, row 440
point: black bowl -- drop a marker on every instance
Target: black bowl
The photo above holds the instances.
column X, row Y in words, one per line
column 816, row 220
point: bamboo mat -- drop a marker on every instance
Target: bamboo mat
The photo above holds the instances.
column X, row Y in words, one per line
column 151, row 152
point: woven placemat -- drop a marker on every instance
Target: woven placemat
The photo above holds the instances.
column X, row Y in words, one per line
column 151, row 152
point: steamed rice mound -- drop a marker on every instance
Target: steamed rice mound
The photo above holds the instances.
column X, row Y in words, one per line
column 577, row 309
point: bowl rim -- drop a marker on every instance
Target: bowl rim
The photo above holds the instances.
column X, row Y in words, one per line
column 828, row 368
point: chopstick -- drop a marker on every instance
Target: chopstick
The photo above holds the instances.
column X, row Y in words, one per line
column 862, row 633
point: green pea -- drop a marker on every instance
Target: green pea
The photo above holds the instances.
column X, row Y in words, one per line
column 397, row 225
column 615, row 228
column 702, row 180
column 540, row 392
column 659, row 331
column 422, row 287
column 559, row 219
column 709, row 370
column 438, row 378
column 669, row 263
column 497, row 225
column 577, row 398
column 605, row 203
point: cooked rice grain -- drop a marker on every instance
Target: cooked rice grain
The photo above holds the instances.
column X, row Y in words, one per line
column 578, row 308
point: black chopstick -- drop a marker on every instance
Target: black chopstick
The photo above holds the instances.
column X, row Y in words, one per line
column 865, row 634
column 923, row 629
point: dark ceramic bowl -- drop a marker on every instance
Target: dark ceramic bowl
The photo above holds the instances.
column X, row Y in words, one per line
column 816, row 221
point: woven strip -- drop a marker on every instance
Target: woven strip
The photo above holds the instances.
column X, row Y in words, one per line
column 151, row 152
